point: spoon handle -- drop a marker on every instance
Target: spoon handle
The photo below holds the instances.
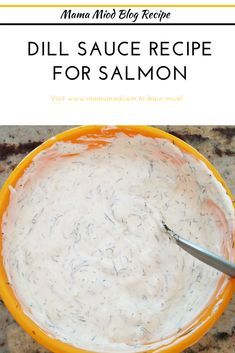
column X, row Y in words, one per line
column 206, row 256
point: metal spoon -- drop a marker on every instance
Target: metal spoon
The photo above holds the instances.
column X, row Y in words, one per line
column 202, row 254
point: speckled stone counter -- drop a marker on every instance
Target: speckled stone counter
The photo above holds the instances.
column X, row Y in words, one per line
column 217, row 143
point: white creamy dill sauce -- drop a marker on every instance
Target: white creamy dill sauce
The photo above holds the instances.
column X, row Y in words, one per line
column 85, row 252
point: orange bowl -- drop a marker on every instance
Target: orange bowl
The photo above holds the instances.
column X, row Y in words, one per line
column 186, row 338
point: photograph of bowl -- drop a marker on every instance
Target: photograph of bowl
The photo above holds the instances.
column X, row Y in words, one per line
column 85, row 263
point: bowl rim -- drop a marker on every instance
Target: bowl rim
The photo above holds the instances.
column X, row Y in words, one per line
column 206, row 319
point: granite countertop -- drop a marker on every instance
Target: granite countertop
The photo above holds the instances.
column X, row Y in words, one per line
column 217, row 143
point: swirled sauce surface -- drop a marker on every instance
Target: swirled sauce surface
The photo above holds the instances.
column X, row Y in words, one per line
column 85, row 251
